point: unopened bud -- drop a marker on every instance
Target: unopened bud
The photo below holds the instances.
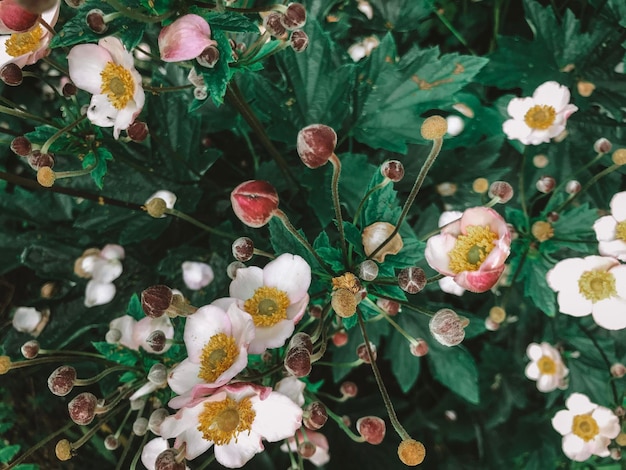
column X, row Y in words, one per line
column 113, row 336
column 372, row 428
column 455, row 125
column 411, row 452
column 393, row 169
column 619, row 157
column 497, row 314
column 412, row 280
column 618, row 370
column 301, row 340
column 363, row 353
column 367, row 270
column 21, row 146
column 5, row 364
column 502, row 190
column 156, row 207
column 63, row 450
column 420, row 348
column 480, row 185
column 48, row 290
column 46, row 176
column 82, row 408
column 553, row 216
column 315, row 415
column 316, row 144
column 209, row 57
column 602, row 145
column 545, row 184
column 542, row 230
column 299, row 41
column 620, row 440
column 158, row 374
column 294, row 17
column 390, row 306
column 447, row 189
column 306, row 449
column 37, row 160
column 254, row 202
column 157, row 341
column 616, row 454
column 30, row 349
column 573, row 187
column 232, row 268
column 166, row 460
column 155, row 300
column 375, row 234
column 61, row 381
column 273, row 24
column 343, row 303
column 95, row 21
column 315, row 311
column 585, row 89
column 434, row 127
column 138, row 131
column 298, row 361
column 349, row 389
column 11, row 74
column 69, row 89
column 156, row 419
column 340, row 338
column 140, row 426
column 447, row 327
column 243, row 249
column 111, row 442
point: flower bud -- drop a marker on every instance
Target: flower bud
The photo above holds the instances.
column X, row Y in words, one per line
column 294, row 17
column 254, row 202
column 447, row 189
column 37, row 160
column 111, row 442
column 349, row 389
column 420, row 348
column 138, row 131
column 61, row 381
column 376, row 233
column 367, row 270
column 166, row 460
column 113, row 336
column 157, row 341
column 299, row 41
column 155, row 207
column 412, row 280
column 340, row 338
column 553, row 216
column 197, row 275
column 502, row 190
column 156, row 419
column 545, row 184
column 585, row 89
column 363, row 354
column 619, row 157
column 209, row 57
column 82, row 408
column 74, row 3
column 480, row 185
column 497, row 314
column 158, row 374
column 306, row 449
column 11, row 74
column 243, row 249
column 273, row 24
column 232, row 268
column 30, row 349
column 316, row 144
column 455, row 125
column 573, row 187
column 140, row 426
column 434, row 127
column 200, row 93
column 298, row 361
column 21, row 146
column 411, row 452
column 301, row 340
column 343, row 302
column 27, row 320
column 393, row 169
column 5, row 364
column 95, row 21
column 491, row 325
column 315, row 415
column 602, row 145
column 46, row 177
column 447, row 327
column 69, row 89
column 155, row 300
column 390, row 306
column 63, row 450
column 372, row 428
column 315, row 311
column 618, row 370
column 542, row 230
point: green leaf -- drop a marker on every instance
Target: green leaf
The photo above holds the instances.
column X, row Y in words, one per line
column 331, row 255
column 116, row 353
column 7, row 453
column 284, row 241
column 229, row 21
column 404, row 365
column 456, row 369
column 401, row 15
column 134, row 308
column 353, row 237
column 216, row 79
column 533, row 272
column 99, row 162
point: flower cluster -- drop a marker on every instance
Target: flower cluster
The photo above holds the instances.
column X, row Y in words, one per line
column 101, row 267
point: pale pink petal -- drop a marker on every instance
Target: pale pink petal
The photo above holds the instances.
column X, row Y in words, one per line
column 246, row 281
column 242, row 325
column 607, row 422
column 197, row 275
column 290, row 274
column 292, row 388
column 515, row 129
column 566, row 273
column 605, row 228
column 534, row 351
column 236, row 454
column 575, row 448
column 552, row 94
column 484, row 217
column 271, row 336
column 448, row 217
column 610, row 313
column 112, row 252
column 277, row 417
column 184, row 376
column 184, row 39
column 97, row 293
column 599, row 446
column 106, row 270
column 436, row 253
column 151, row 451
column 518, row 107
column 86, row 62
column 125, row 325
column 119, row 54
column 146, row 326
column 125, row 117
column 447, row 285
column 618, row 206
column 479, row 281
column 202, row 326
column 296, row 311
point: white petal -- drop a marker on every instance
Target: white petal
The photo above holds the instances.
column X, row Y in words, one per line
column 236, row 454
column 599, row 446
column 202, row 326
column 575, row 448
column 436, row 253
column 607, row 422
column 532, row 371
column 101, row 112
column 579, row 404
column 518, row 107
column 246, row 281
column 167, row 196
column 571, row 302
column 86, row 62
column 277, row 417
column 184, row 376
column 292, row 388
column 515, row 129
column 552, row 94
column 197, row 275
column 563, row 421
column 26, row 319
column 605, row 228
column 447, row 285
column 290, row 274
column 97, row 293
column 615, row 249
column 534, row 351
column 106, row 271
column 271, row 337
column 610, row 313
column 619, row 273
column 296, row 311
column 448, row 216
column 565, row 274
column 151, row 451
column 125, row 325
column 618, row 206
column 547, row 383
column 112, row 252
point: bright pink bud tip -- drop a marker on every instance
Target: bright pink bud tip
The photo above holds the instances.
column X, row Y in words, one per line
column 14, row 18
column 254, row 202
column 316, row 144
column 372, row 428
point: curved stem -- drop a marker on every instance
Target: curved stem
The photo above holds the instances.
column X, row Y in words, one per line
column 604, row 358
column 590, row 183
column 100, row 376
column 197, row 223
column 46, row 146
column 337, row 205
column 167, row 89
column 359, row 209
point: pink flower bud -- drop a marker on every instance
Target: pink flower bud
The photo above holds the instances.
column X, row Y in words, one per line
column 61, row 381
column 447, row 327
column 298, row 361
column 340, row 338
column 36, row 6
column 316, row 144
column 602, row 145
column 30, row 349
column 299, row 41
column 14, row 18
column 186, row 38
column 138, row 131
column 243, row 249
column 393, row 169
column 391, row 307
column 273, row 24
column 545, row 184
column 209, row 57
column 412, row 280
column 82, row 408
column 21, row 146
column 420, row 348
column 254, row 202
column 37, row 160
column 501, row 190
column 11, row 74
column 166, row 460
column 315, row 415
column 618, row 370
column 349, row 389
column 573, row 187
column 363, row 354
column 155, row 300
column 372, row 428
column 294, row 17
column 111, row 442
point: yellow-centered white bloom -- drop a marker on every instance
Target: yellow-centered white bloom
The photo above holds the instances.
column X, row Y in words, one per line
column 546, row 367
column 611, row 229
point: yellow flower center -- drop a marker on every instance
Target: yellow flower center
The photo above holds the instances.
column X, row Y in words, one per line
column 620, row 231
column 597, row 285
column 546, row 365
column 221, row 421
column 267, row 306
column 217, row 356
column 117, row 84
column 470, row 250
column 23, row 43
column 585, row 427
column 540, row 117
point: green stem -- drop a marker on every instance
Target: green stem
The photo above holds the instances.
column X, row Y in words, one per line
column 590, row 183
column 100, row 376
column 24, row 115
column 337, row 205
column 337, row 419
column 166, row 89
column 451, row 28
column 135, row 15
column 46, row 146
column 392, row 322
column 197, row 223
column 359, row 209
column 604, row 358
column 38, row 446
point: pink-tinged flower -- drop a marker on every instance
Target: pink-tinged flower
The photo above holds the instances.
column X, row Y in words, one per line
column 275, row 296
column 539, row 118
column 596, row 285
column 254, row 202
column 197, row 275
column 234, row 419
column 302, row 445
column 546, row 367
column 293, row 388
column 611, row 229
column 185, row 39
column 587, row 428
column 106, row 70
column 217, row 348
column 14, row 18
column 134, row 334
column 26, row 48
column 472, row 249
column 152, row 450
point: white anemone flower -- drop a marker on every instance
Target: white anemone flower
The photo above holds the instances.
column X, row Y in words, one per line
column 106, row 70
column 546, row 367
column 596, row 285
column 587, row 428
column 197, row 275
column 539, row 118
column 611, row 229
column 134, row 334
column 29, row 320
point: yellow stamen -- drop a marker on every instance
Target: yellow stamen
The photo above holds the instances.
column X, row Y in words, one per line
column 470, row 250
column 117, row 84
column 597, row 285
column 217, row 356
column 546, row 365
column 23, row 43
column 620, row 231
column 540, row 117
column 221, row 421
column 585, row 427
column 267, row 306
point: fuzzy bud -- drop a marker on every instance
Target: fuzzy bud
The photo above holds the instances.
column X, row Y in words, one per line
column 542, row 230
column 447, row 189
column 21, row 146
column 155, row 300
column 390, row 306
column 306, row 449
column 158, row 374
column 138, row 131
column 156, row 419
column 420, row 348
column 63, row 450
column 367, row 270
column 111, row 442
column 46, row 176
column 340, row 338
column 585, row 89
column 82, row 408
column 348, row 389
column 602, row 145
column 254, row 202
column 140, row 426
column 315, row 311
column 372, row 428
column 157, row 341
column 376, row 233
column 156, row 207
column 619, row 157
column 393, row 169
column 411, row 452
column 497, row 314
column 5, row 364
column 344, row 303
column 273, row 24
column 618, row 370
column 316, row 144
column 412, row 280
column 166, row 460
column 553, row 217
column 61, row 381
column 11, row 74
column 363, row 353
column 301, row 340
column 299, row 41
column 298, row 361
column 573, row 187
column 243, row 249
column 95, row 21
column 294, row 17
column 37, row 160
column 434, row 127
column 447, row 327
column 502, row 190
column 30, row 349
column 545, row 184
column 480, row 185
column 232, row 268
column 315, row 416
column 209, row 57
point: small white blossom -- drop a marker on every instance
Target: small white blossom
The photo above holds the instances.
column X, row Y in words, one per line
column 546, row 367
column 611, row 229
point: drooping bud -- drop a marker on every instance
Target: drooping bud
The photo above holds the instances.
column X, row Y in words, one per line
column 343, row 302
column 140, row 426
column 619, row 157
column 434, row 127
column 298, row 361
column 315, row 415
column 63, row 450
column 573, row 187
column 95, row 21
column 372, row 428
column 69, row 89
column 243, row 249
column 37, row 160
column 155, row 300
column 602, row 145
column 411, row 452
column 209, row 57
column 502, row 190
column 155, row 207
column 412, row 280
column 376, row 233
column 273, row 24
column 367, row 270
column 158, row 374
column 391, row 307
column 480, row 185
column 232, row 268
column 363, row 354
column 349, row 389
column 138, row 131
column 542, row 230
column 11, row 74
column 299, row 41
column 301, row 340
column 420, row 348
column 157, row 341
column 156, row 419
column 545, row 184
column 254, row 202
column 340, row 338
column 46, row 176
column 30, row 349
column 294, row 17
column 306, row 449
column 21, row 146
column 166, row 460
column 61, row 381
column 316, row 144
column 393, row 169
column 447, row 327
column 111, row 442
column 82, row 408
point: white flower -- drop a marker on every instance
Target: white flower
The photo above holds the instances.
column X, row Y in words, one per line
column 99, row 293
column 197, row 275
column 611, row 229
column 539, row 118
column 546, row 367
column 363, row 48
column 234, row 419
column 595, row 285
column 293, row 388
column 587, row 428
column 29, row 320
column 106, row 70
column 135, row 333
column 168, row 197
column 103, row 267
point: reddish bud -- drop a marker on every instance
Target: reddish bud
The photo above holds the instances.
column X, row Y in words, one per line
column 157, row 340
column 209, row 57
column 545, row 184
column 301, row 340
column 111, row 442
column 15, row 18
column 447, row 327
column 30, row 349
column 501, row 190
column 21, row 146
column 38, row 160
column 618, row 370
column 294, row 17
column 349, row 389
column 82, row 408
column 69, row 89
column 393, row 169
column 306, row 449
column 11, row 74
column 138, row 131
column 420, row 348
column 412, row 280
column 315, row 415
column 391, row 307
column 61, row 381
column 553, row 216
column 602, row 145
column 372, row 428
column 340, row 338
column 316, row 144
column 254, row 202
column 363, row 353
column 95, row 21
column 298, row 361
column 243, row 249
column 155, row 300
column 299, row 41
column 273, row 24
column 166, row 460
column 573, row 187
column 316, row 311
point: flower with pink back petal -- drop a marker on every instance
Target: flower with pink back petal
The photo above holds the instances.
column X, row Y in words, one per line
column 472, row 250
column 234, row 419
column 320, row 455
column 107, row 71
column 14, row 18
column 185, row 39
column 135, row 333
column 611, row 229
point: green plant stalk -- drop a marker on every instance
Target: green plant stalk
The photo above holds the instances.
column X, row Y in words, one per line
column 391, row 321
column 197, row 223
column 590, row 183
column 38, row 446
column 46, row 146
column 135, row 15
column 337, row 205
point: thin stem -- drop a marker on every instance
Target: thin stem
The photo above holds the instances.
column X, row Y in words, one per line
column 604, row 358
column 337, row 419
column 207, row 462
column 38, row 446
column 46, row 146
column 135, row 15
column 74, row 173
column 392, row 322
column 522, row 189
column 166, row 89
column 25, row 115
column 337, row 205
column 590, row 183
column 197, row 223
column 440, row 14
column 101, row 375
column 357, row 214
